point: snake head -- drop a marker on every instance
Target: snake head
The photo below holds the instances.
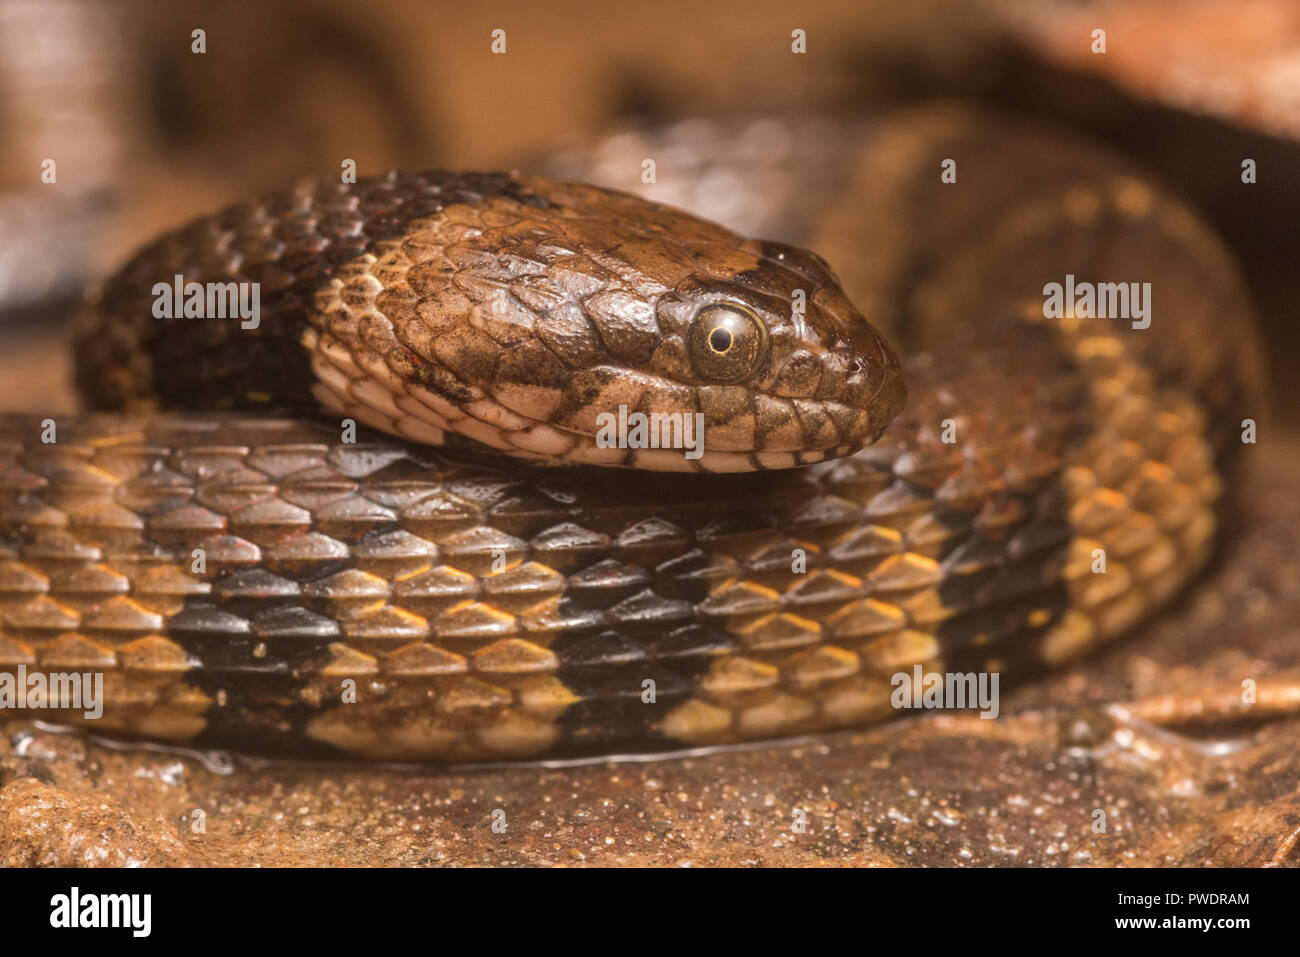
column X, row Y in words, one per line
column 576, row 325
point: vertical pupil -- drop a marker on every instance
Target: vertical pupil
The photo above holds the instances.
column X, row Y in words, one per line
column 720, row 340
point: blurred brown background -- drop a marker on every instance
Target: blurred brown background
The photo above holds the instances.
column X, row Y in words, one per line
column 147, row 133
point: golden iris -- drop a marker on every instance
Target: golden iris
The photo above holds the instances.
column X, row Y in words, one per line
column 727, row 342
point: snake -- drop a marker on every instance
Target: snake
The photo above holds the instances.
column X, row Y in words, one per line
column 388, row 521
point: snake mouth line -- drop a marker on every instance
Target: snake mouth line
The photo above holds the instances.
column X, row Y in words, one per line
column 631, row 438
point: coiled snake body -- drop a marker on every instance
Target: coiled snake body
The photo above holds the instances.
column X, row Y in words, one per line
column 263, row 582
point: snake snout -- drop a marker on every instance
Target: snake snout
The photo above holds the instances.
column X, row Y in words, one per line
column 876, row 382
column 834, row 384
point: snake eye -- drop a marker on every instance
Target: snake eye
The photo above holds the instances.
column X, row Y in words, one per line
column 728, row 342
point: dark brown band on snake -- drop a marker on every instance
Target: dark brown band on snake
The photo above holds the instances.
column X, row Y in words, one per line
column 388, row 598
